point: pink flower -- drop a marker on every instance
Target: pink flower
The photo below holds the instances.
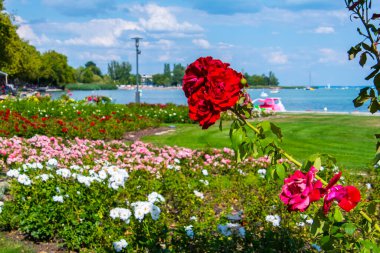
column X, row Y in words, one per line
column 346, row 196
column 300, row 189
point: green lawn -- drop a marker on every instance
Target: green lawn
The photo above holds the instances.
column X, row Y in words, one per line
column 349, row 138
column 11, row 246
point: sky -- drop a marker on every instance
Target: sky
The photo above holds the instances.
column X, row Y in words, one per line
column 302, row 42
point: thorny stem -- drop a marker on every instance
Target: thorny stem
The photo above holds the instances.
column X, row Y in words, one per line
column 257, row 131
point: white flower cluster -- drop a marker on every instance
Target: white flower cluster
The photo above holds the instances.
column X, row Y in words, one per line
column 142, row 208
column 117, row 177
column 65, row 173
column 274, row 219
column 121, row 213
column 1, row 206
column 232, row 228
column 34, row 166
column 24, row 179
column 120, row 245
column 52, row 163
column 44, row 177
column 189, row 231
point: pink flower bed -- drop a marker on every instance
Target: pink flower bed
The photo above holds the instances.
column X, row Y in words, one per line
column 139, row 155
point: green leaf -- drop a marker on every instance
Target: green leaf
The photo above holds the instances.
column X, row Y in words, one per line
column 366, row 46
column 373, row 73
column 376, row 82
column 338, row 216
column 349, row 228
column 221, row 125
column 374, row 105
column 353, row 52
column 363, row 59
column 280, row 171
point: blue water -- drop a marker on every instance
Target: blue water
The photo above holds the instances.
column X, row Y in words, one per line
column 334, row 99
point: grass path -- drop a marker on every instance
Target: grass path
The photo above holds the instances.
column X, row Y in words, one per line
column 349, row 138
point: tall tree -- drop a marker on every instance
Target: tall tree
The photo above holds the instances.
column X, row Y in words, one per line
column 93, row 68
column 178, row 73
column 120, row 72
column 167, row 72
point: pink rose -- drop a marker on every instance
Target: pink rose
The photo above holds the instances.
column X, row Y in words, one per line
column 300, row 189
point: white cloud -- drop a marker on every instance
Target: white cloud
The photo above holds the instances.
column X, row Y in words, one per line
column 277, row 58
column 155, row 18
column 202, row 43
column 26, row 32
column 328, row 55
column 324, row 30
column 86, row 56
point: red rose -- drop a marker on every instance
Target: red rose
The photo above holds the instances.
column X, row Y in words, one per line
column 346, row 196
column 202, row 110
column 211, row 88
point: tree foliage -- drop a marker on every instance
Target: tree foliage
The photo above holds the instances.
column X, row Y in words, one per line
column 120, row 72
column 262, row 80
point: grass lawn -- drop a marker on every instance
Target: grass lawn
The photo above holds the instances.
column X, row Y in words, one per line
column 349, row 138
column 11, row 246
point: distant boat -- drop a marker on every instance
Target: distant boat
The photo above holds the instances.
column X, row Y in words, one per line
column 263, row 94
column 309, row 88
column 275, row 91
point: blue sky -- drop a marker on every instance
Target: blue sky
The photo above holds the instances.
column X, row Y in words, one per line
column 292, row 38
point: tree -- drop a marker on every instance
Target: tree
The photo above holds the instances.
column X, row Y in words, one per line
column 272, row 79
column 120, row 72
column 55, row 69
column 93, row 68
column 178, row 73
column 167, row 72
column 160, row 79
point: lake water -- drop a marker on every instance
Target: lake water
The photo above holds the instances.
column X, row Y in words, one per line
column 334, row 99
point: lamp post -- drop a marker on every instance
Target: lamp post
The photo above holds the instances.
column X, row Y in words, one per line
column 137, row 43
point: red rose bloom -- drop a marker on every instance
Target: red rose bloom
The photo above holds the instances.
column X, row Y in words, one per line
column 346, row 196
column 211, row 88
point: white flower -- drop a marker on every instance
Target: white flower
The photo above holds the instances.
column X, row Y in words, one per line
column 274, row 219
column 177, row 160
column 262, row 172
column 193, row 218
column 142, row 208
column 44, row 177
column 300, row 224
column 58, row 199
column 154, row 196
column 120, row 245
column 13, row 173
column 65, row 173
column 52, row 163
column 24, row 179
column 205, row 172
column 204, row 181
column 199, row 194
column 309, row 221
column 102, row 174
column 121, row 213
column 1, row 206
column 321, row 168
column 189, row 231
column 368, row 185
